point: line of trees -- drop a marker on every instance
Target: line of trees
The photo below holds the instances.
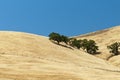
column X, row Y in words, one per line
column 88, row 45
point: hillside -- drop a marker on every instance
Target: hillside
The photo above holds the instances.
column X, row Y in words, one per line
column 104, row 38
column 26, row 56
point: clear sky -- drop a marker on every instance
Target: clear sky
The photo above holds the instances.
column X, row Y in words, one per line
column 68, row 17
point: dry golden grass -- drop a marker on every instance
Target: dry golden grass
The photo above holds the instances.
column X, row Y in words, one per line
column 104, row 38
column 26, row 56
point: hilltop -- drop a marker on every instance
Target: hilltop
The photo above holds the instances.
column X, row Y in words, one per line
column 25, row 56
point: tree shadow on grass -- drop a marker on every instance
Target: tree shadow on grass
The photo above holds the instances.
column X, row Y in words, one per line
column 97, row 53
column 112, row 55
column 66, row 46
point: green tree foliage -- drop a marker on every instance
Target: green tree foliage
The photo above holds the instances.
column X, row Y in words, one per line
column 75, row 43
column 89, row 46
column 59, row 38
column 64, row 39
column 55, row 36
column 84, row 43
column 114, row 48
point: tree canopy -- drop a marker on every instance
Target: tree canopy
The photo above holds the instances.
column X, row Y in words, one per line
column 55, row 36
column 89, row 46
column 114, row 48
column 75, row 43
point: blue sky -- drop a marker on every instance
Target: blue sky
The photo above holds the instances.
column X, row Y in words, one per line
column 68, row 17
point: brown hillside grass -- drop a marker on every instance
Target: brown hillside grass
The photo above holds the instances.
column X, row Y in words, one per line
column 26, row 56
column 104, row 38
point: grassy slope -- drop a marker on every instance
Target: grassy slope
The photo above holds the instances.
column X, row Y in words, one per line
column 104, row 38
column 31, row 57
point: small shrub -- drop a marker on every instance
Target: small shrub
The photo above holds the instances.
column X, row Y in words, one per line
column 114, row 48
